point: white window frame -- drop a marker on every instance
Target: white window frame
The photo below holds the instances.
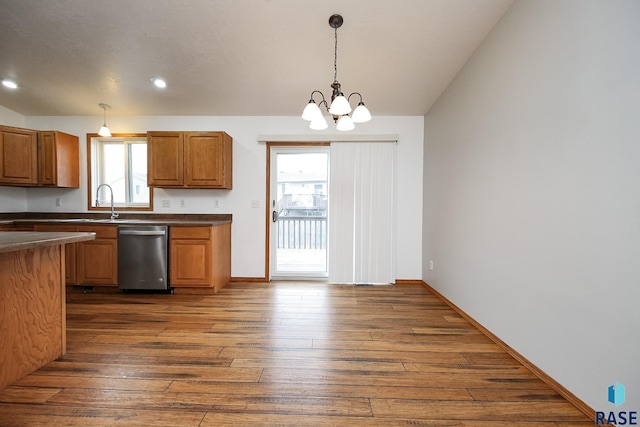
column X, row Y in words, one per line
column 97, row 167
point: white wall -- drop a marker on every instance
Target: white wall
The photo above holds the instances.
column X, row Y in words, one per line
column 12, row 199
column 532, row 191
column 249, row 179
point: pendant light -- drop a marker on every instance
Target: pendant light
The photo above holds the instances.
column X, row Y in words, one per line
column 340, row 106
column 104, row 130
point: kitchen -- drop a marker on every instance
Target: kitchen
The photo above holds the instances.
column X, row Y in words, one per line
column 512, row 185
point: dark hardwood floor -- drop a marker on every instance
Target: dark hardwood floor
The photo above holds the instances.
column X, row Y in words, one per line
column 280, row 354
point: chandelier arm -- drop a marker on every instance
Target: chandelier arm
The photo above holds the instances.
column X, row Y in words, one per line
column 324, row 101
column 316, row 91
column 354, row 93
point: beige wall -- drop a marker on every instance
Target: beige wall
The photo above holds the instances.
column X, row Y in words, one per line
column 532, row 191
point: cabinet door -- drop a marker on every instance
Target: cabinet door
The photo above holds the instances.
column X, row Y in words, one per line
column 69, row 249
column 97, row 262
column 59, row 159
column 18, row 157
column 165, row 159
column 190, row 262
column 48, row 158
column 205, row 159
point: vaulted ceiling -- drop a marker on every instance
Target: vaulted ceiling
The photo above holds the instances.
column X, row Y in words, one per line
column 233, row 57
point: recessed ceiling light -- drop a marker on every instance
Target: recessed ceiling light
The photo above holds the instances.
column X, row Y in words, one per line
column 159, row 82
column 10, row 84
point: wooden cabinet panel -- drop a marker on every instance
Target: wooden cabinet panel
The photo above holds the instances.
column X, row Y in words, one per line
column 191, row 232
column 207, row 160
column 190, row 262
column 59, row 159
column 69, row 249
column 97, row 260
column 12, row 227
column 165, row 164
column 18, row 156
column 46, row 158
column 200, row 256
column 189, row 159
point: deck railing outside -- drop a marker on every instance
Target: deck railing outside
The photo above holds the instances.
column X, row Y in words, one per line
column 302, row 232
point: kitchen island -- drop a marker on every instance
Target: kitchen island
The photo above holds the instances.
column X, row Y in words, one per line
column 32, row 300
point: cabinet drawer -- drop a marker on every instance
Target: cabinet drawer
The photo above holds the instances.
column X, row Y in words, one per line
column 102, row 231
column 190, row 232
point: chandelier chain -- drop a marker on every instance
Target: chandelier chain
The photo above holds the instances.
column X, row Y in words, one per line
column 335, row 56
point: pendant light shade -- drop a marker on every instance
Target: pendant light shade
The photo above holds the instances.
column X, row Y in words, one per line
column 361, row 114
column 104, row 130
column 319, row 123
column 345, row 123
column 311, row 111
column 340, row 107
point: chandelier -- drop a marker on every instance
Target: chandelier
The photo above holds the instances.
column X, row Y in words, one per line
column 340, row 106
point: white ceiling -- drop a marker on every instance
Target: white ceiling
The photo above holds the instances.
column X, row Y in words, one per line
column 233, row 57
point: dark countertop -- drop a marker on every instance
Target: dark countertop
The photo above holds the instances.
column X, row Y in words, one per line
column 84, row 221
column 124, row 219
column 11, row 241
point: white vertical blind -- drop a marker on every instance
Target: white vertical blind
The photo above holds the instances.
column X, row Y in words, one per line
column 361, row 222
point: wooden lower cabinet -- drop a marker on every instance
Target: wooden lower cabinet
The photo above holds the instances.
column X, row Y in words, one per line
column 97, row 260
column 69, row 249
column 200, row 256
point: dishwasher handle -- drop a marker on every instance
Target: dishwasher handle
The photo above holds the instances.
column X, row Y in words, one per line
column 142, row 233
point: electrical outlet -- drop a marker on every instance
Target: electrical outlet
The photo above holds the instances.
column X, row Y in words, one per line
column 166, row 203
column 182, row 203
column 216, row 203
column 58, row 201
column 431, row 264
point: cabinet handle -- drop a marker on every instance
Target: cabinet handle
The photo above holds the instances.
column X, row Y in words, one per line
column 274, row 216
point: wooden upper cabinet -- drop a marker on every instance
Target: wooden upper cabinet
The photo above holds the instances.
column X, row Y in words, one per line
column 59, row 159
column 18, row 156
column 189, row 159
column 207, row 159
column 165, row 154
column 33, row 158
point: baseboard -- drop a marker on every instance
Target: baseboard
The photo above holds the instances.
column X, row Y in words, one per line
column 409, row 282
column 262, row 279
column 559, row 388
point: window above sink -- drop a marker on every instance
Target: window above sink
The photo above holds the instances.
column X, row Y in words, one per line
column 121, row 162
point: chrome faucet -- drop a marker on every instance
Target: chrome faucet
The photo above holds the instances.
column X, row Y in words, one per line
column 114, row 215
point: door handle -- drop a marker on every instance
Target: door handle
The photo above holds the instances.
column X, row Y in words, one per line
column 274, row 216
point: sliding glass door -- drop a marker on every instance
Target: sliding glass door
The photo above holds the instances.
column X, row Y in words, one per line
column 299, row 188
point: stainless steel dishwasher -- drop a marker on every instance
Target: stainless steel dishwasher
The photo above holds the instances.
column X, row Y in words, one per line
column 143, row 258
